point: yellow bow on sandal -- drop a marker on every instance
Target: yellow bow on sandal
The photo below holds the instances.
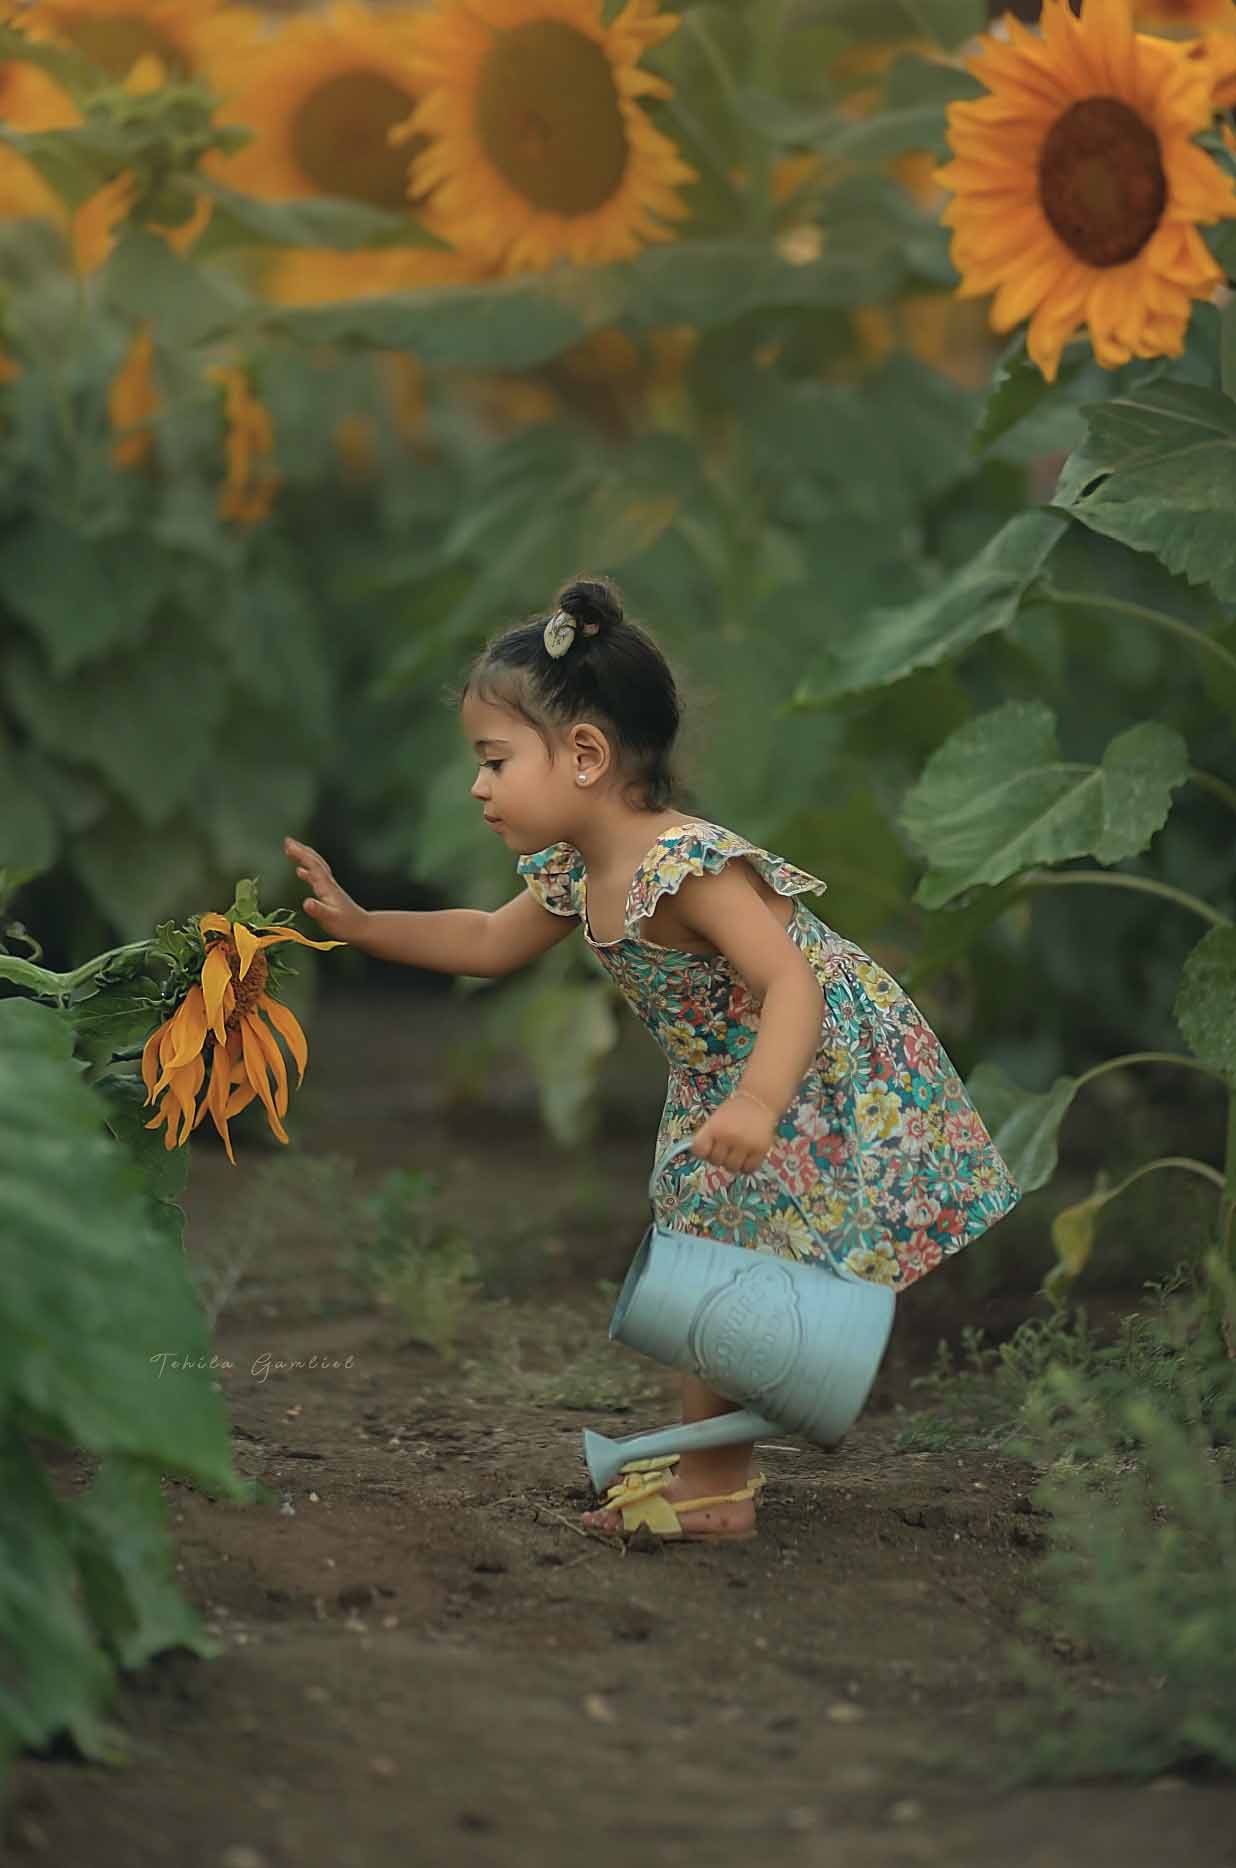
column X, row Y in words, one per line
column 638, row 1496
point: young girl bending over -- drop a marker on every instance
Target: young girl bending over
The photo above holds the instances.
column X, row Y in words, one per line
column 790, row 1050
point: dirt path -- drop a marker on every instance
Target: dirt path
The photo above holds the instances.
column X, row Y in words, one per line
column 426, row 1662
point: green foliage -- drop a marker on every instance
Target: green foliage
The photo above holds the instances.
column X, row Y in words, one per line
column 102, row 1348
column 1141, row 1573
column 414, row 1260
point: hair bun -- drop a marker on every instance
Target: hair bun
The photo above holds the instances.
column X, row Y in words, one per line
column 595, row 605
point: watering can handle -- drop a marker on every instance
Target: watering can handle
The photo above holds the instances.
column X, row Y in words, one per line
column 677, row 1148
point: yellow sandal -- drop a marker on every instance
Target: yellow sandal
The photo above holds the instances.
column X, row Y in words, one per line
column 638, row 1496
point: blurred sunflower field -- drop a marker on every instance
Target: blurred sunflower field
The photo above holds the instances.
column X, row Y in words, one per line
column 882, row 350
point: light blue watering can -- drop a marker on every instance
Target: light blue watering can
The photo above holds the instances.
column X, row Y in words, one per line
column 797, row 1344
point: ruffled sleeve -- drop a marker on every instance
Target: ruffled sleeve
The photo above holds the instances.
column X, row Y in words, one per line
column 703, row 849
column 555, row 876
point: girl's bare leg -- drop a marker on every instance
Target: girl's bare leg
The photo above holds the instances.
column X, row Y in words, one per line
column 704, row 1474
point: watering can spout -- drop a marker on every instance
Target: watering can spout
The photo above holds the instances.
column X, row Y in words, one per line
column 605, row 1458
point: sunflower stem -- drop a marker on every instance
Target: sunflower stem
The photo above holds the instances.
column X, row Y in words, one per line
column 1115, row 879
column 1219, row 786
column 1065, row 600
column 768, row 23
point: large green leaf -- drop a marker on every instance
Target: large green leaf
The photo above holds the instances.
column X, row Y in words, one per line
column 1158, row 472
column 56, row 1677
column 1205, row 1006
column 29, row 838
column 126, row 1561
column 147, row 722
column 84, row 597
column 513, row 324
column 319, row 221
column 976, row 601
column 92, row 1304
column 143, row 280
column 1024, row 1124
column 997, row 798
column 1091, row 576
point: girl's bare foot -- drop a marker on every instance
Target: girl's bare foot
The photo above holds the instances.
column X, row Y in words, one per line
column 738, row 1516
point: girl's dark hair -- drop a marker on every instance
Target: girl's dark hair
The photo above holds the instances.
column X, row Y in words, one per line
column 613, row 674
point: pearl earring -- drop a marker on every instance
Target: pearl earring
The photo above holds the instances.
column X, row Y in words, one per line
column 580, row 779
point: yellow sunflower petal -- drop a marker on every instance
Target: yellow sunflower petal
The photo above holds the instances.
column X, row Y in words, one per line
column 269, row 936
column 289, row 1030
column 256, row 1070
column 216, row 979
column 186, row 1036
column 274, row 1057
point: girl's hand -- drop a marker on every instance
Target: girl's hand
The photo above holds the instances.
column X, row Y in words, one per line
column 332, row 907
column 737, row 1135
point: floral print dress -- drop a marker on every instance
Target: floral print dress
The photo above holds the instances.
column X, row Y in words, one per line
column 881, row 1143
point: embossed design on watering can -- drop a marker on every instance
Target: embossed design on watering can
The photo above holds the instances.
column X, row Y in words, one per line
column 749, row 1332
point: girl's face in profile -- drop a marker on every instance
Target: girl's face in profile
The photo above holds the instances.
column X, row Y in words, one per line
column 519, row 789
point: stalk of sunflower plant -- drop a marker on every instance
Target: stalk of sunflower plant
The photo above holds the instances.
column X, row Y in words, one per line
column 220, row 1015
column 1078, row 187
column 533, row 145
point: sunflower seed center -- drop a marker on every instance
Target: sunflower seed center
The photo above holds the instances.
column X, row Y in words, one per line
column 248, row 990
column 1101, row 180
column 338, row 139
column 115, row 41
column 549, row 117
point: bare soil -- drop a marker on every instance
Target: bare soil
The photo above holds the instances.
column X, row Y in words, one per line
column 425, row 1660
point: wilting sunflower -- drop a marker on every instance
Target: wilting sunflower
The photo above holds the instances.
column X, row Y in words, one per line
column 133, row 402
column 117, row 34
column 220, row 1017
column 248, row 492
column 537, row 147
column 1079, row 188
column 29, row 100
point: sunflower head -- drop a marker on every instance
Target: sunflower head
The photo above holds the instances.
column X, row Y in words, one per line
column 1078, row 187
column 117, row 35
column 320, row 96
column 533, row 144
column 224, row 1028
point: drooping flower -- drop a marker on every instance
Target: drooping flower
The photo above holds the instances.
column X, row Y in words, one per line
column 535, row 144
column 1078, row 187
column 30, row 100
column 133, row 402
column 222, row 1017
column 249, row 490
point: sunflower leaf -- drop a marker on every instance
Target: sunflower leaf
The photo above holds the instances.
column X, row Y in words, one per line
column 1157, row 471
column 1205, row 1005
column 979, row 599
column 997, row 798
column 1023, row 1124
column 342, row 225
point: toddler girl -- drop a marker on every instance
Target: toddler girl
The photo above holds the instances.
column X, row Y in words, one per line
column 790, row 1050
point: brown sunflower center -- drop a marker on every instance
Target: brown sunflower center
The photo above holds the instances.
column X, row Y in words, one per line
column 549, row 118
column 115, row 41
column 248, row 990
column 338, row 138
column 1101, row 180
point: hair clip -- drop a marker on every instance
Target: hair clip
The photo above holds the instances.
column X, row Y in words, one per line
column 559, row 633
